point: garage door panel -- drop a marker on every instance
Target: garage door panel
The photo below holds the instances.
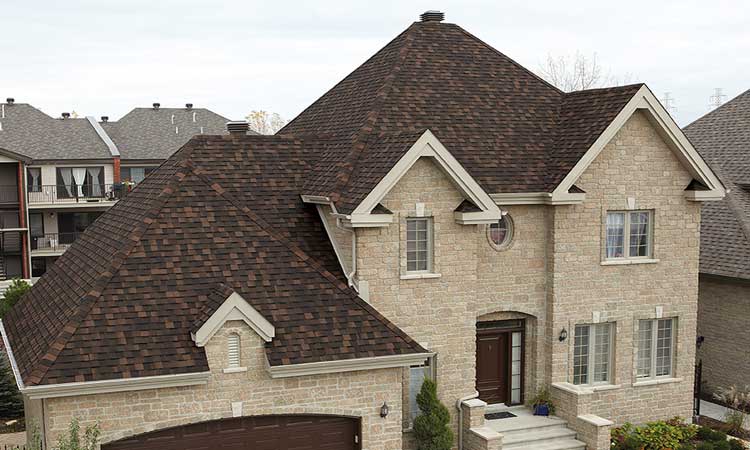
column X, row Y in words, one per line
column 251, row 433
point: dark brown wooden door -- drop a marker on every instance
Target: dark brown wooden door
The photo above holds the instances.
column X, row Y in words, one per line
column 252, row 433
column 493, row 361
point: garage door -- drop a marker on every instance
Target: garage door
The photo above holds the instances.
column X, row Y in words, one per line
column 252, row 433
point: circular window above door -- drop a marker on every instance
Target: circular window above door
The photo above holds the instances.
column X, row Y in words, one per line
column 500, row 233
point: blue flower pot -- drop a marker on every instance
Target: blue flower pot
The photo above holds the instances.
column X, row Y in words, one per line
column 541, row 410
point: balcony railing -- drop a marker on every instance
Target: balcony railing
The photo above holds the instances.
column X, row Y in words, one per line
column 8, row 194
column 65, row 193
column 53, row 242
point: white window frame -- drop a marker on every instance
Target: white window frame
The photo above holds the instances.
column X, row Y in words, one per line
column 626, row 234
column 430, row 245
column 591, row 353
column 654, row 344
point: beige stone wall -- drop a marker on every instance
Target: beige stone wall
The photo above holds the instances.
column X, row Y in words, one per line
column 637, row 164
column 356, row 394
column 724, row 320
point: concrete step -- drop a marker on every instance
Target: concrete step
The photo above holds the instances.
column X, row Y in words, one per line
column 525, row 422
column 534, row 435
column 557, row 444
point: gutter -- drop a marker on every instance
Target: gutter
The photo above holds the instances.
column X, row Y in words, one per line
column 348, row 365
column 13, row 364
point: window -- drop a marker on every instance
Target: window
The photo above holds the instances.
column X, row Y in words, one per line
column 592, row 354
column 34, row 179
column 135, row 174
column 417, row 375
column 419, row 245
column 629, row 234
column 500, row 234
column 233, row 351
column 80, row 182
column 655, row 348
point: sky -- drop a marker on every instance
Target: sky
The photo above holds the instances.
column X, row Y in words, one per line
column 104, row 57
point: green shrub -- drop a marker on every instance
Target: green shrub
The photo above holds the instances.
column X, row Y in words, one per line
column 73, row 440
column 11, row 296
column 11, row 402
column 705, row 446
column 711, row 435
column 660, row 435
column 722, row 445
column 687, row 446
column 736, row 445
column 431, row 425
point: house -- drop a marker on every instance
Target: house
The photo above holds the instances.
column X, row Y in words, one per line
column 441, row 212
column 73, row 169
column 723, row 139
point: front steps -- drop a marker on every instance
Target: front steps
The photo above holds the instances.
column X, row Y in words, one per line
column 529, row 432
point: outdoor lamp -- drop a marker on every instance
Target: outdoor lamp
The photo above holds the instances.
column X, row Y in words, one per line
column 563, row 335
column 384, row 410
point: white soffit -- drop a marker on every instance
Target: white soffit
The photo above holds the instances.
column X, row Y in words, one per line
column 234, row 308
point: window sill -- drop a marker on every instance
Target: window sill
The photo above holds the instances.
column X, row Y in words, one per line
column 419, row 276
column 626, row 262
column 657, row 381
column 235, row 370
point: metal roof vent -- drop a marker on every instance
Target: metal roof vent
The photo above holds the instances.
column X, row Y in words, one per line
column 105, row 119
column 10, row 100
column 238, row 127
column 66, row 115
column 432, row 16
column 156, row 106
column 188, row 106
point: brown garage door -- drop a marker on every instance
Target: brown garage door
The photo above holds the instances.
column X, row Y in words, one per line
column 252, row 433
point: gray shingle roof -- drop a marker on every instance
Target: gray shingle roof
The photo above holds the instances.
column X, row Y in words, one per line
column 722, row 137
column 29, row 131
column 148, row 133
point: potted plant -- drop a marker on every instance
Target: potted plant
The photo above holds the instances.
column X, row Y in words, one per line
column 542, row 403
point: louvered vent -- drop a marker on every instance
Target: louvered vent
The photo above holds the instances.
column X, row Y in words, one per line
column 233, row 350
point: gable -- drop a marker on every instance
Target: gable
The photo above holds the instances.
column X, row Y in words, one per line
column 233, row 308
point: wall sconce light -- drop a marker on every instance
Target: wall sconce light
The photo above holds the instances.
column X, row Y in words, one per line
column 563, row 335
column 699, row 341
column 384, row 410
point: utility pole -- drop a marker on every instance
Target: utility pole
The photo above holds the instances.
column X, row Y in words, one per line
column 717, row 99
column 668, row 102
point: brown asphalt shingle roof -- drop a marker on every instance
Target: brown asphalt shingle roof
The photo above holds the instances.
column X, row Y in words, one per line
column 222, row 215
column 722, row 137
column 512, row 131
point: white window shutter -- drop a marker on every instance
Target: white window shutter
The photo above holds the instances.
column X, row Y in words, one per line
column 233, row 350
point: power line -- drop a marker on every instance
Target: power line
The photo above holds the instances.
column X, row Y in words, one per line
column 717, row 99
column 668, row 102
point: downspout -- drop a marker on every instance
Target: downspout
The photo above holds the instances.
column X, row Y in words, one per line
column 461, row 417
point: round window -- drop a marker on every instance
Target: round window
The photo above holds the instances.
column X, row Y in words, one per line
column 500, row 233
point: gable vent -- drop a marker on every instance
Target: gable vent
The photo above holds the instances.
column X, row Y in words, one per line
column 432, row 16
column 233, row 351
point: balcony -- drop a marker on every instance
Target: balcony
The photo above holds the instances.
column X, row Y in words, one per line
column 62, row 194
column 8, row 194
column 52, row 243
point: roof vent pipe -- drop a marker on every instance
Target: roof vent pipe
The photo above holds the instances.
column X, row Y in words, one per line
column 156, row 106
column 10, row 100
column 105, row 119
column 66, row 115
column 188, row 106
column 432, row 16
column 238, row 127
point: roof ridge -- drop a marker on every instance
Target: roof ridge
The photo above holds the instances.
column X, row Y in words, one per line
column 39, row 370
column 362, row 136
column 303, row 256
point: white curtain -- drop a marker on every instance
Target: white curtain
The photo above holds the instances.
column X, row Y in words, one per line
column 79, row 174
column 615, row 235
column 67, row 177
column 96, row 190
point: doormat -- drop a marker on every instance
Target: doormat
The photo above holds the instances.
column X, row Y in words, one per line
column 499, row 415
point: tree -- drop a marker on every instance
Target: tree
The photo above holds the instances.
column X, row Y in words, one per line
column 263, row 122
column 431, row 425
column 12, row 294
column 11, row 402
column 578, row 72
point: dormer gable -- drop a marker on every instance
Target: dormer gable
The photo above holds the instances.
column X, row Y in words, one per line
column 235, row 307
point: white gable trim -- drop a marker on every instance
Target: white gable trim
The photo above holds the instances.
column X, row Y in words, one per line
column 645, row 100
column 428, row 146
column 234, row 308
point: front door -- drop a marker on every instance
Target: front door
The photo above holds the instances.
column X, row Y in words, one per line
column 500, row 361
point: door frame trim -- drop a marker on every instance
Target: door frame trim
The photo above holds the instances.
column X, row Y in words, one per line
column 508, row 326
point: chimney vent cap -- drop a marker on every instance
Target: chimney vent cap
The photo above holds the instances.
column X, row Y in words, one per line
column 432, row 16
column 10, row 100
column 188, row 106
column 238, row 127
column 156, row 106
column 105, row 118
column 66, row 115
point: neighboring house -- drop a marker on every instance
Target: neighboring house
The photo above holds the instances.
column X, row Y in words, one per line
column 74, row 169
column 441, row 212
column 723, row 138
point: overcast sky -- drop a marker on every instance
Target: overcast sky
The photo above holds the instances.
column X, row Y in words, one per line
column 101, row 57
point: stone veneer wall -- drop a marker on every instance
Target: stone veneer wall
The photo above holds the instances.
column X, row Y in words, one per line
column 357, row 394
column 724, row 320
column 635, row 163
